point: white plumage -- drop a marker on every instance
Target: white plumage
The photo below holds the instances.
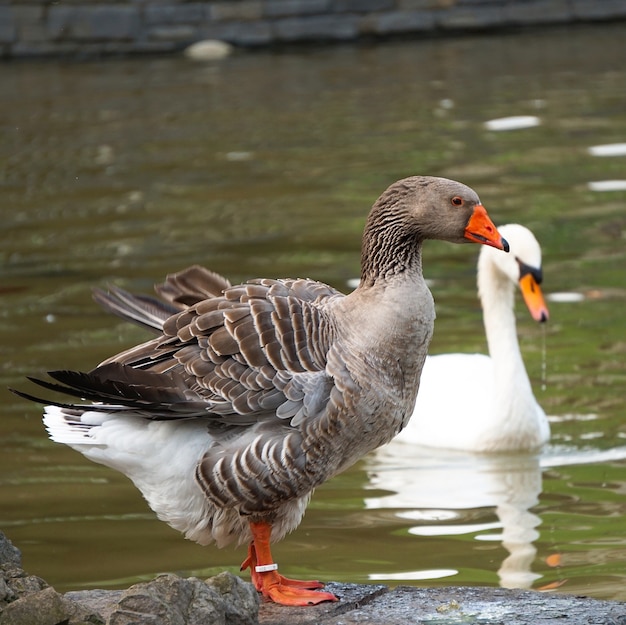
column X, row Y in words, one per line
column 483, row 403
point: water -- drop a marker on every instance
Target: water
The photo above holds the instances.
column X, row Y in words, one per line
column 265, row 165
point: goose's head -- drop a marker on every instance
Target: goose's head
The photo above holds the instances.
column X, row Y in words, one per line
column 418, row 208
column 425, row 207
column 522, row 266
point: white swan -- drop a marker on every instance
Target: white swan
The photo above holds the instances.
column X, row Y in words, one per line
column 485, row 403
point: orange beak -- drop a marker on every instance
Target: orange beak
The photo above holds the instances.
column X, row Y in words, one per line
column 533, row 297
column 480, row 229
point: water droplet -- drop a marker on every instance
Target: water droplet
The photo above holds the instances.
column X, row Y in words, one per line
column 544, row 359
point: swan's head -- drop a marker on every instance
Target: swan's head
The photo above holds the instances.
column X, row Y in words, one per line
column 521, row 266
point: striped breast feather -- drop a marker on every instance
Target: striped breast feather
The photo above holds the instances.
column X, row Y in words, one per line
column 259, row 476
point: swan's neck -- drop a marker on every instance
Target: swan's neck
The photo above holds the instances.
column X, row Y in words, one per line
column 513, row 389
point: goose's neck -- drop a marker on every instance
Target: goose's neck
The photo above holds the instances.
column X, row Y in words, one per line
column 387, row 323
column 496, row 293
column 392, row 248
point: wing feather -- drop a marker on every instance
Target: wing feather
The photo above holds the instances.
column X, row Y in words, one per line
column 191, row 285
column 239, row 354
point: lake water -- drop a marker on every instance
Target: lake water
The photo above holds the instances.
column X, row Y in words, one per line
column 266, row 165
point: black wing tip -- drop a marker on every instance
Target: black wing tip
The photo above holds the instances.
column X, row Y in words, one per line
column 52, row 402
column 50, row 386
column 118, row 388
column 29, row 397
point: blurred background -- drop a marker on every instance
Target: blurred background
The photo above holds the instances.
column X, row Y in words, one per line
column 265, row 163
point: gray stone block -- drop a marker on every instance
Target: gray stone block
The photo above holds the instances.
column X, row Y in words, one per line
column 414, row 5
column 287, row 8
column 595, row 10
column 126, row 48
column 395, row 22
column 29, row 22
column 174, row 33
column 7, row 25
column 244, row 34
column 191, row 13
column 540, row 12
column 86, row 27
column 100, row 22
column 245, row 10
column 34, row 49
column 322, row 27
column 467, row 18
column 483, row 2
column 362, row 6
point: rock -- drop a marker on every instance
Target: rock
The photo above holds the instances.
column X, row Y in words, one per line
column 227, row 600
column 29, row 600
column 45, row 607
column 8, row 553
column 171, row 600
column 100, row 602
column 21, row 595
column 6, row 594
column 168, row 600
column 22, row 584
column 378, row 605
column 81, row 615
column 241, row 600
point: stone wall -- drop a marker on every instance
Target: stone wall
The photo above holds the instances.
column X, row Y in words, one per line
column 31, row 28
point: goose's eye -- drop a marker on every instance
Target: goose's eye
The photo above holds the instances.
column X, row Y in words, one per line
column 457, row 201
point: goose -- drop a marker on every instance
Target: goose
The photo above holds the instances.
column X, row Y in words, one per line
column 507, row 417
column 252, row 395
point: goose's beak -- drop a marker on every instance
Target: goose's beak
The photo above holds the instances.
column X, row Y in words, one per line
column 480, row 229
column 531, row 292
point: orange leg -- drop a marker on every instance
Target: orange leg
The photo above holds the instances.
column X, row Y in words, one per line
column 269, row 582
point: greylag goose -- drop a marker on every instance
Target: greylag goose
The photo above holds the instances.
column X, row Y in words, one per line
column 508, row 417
column 252, row 395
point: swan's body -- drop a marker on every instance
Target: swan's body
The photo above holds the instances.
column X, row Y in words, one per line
column 507, row 417
column 252, row 395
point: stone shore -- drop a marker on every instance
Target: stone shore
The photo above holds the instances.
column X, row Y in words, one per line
column 227, row 600
column 88, row 28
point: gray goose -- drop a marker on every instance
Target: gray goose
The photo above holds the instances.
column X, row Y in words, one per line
column 252, row 395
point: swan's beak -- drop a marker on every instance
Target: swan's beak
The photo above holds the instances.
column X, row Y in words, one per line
column 480, row 229
column 533, row 297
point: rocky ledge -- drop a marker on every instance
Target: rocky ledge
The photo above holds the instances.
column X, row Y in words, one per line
column 227, row 600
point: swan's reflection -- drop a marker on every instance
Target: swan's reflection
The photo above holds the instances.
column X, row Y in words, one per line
column 434, row 487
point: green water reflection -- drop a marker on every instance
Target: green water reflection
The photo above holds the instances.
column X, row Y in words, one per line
column 265, row 165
